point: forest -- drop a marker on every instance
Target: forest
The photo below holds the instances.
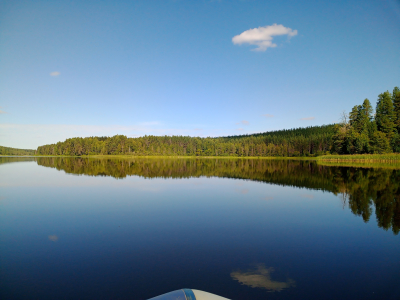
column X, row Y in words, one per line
column 14, row 151
column 295, row 142
column 362, row 131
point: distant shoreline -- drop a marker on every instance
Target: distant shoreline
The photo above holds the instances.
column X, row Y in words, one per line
column 170, row 156
column 358, row 158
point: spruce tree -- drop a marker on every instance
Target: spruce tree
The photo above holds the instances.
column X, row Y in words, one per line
column 366, row 113
column 380, row 143
column 396, row 105
column 385, row 116
column 354, row 116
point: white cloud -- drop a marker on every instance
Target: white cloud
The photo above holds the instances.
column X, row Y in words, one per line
column 308, row 119
column 2, row 112
column 240, row 129
column 56, row 73
column 262, row 36
column 268, row 116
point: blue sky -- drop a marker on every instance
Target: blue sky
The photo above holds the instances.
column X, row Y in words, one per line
column 83, row 68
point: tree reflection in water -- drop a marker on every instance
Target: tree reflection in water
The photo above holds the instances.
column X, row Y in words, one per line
column 361, row 188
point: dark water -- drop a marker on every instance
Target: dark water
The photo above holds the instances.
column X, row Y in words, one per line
column 242, row 229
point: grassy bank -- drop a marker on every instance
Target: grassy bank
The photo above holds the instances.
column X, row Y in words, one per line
column 361, row 158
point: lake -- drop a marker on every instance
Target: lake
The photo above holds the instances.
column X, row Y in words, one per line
column 85, row 228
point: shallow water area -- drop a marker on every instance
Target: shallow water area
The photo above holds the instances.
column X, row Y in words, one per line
column 85, row 228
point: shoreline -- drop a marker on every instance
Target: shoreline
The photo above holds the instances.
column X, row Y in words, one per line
column 378, row 161
column 357, row 158
column 165, row 156
column 362, row 158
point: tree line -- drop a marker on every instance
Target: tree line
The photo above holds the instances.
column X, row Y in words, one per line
column 364, row 132
column 361, row 131
column 308, row 141
column 14, row 151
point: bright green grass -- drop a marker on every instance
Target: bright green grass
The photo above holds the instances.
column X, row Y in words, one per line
column 393, row 157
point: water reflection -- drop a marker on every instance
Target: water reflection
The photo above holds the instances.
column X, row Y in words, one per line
column 243, row 191
column 13, row 159
column 261, row 278
column 363, row 190
column 53, row 238
column 96, row 237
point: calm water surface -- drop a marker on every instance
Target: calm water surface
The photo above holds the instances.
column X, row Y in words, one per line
column 242, row 229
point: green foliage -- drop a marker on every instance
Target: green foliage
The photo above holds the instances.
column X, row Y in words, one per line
column 296, row 142
column 396, row 107
column 361, row 143
column 15, row 151
column 385, row 117
column 380, row 143
column 396, row 143
column 363, row 134
column 339, row 139
column 361, row 116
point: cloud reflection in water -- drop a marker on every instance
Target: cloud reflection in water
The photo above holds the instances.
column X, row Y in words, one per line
column 261, row 278
column 53, row 238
